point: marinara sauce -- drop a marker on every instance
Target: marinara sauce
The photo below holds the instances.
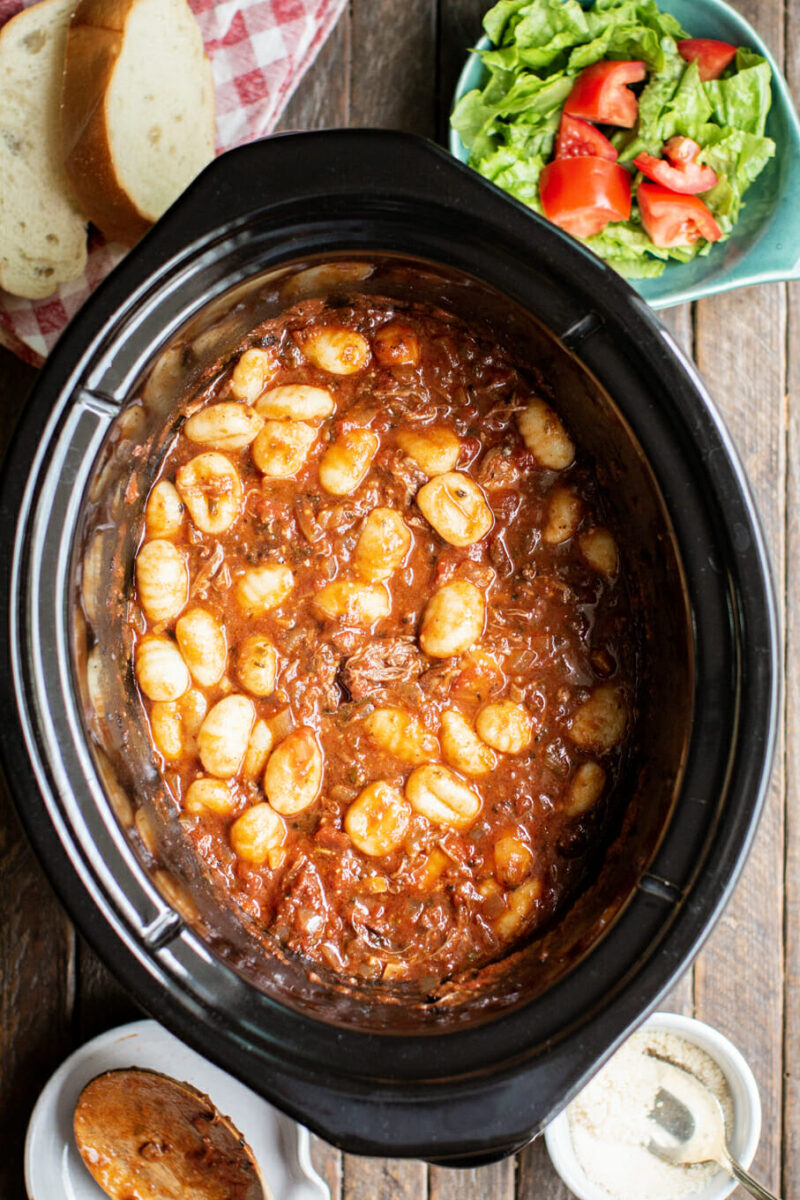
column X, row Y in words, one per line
column 382, row 641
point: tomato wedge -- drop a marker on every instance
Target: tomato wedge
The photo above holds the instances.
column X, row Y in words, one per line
column 711, row 57
column 679, row 169
column 672, row 219
column 577, row 138
column 601, row 93
column 581, row 195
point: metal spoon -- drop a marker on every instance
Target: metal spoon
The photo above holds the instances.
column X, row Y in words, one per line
column 689, row 1127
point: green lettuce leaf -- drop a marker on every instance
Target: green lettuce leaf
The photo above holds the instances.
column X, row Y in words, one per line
column 497, row 18
column 743, row 100
column 539, row 46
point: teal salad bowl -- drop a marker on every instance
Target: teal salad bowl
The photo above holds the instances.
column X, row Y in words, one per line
column 764, row 246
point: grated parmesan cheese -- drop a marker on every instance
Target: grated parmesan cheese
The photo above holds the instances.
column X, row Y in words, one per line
column 609, row 1127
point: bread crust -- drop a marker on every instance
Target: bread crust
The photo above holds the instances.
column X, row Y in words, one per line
column 28, row 266
column 94, row 42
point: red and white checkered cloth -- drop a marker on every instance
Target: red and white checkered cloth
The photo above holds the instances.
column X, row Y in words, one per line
column 259, row 51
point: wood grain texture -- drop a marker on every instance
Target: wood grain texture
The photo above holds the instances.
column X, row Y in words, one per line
column 37, row 961
column 791, row 1096
column 100, row 1002
column 322, row 101
column 739, row 984
column 790, row 1181
column 476, row 1183
column 536, row 1175
column 394, row 65
column 384, row 1178
column 36, row 990
column 740, row 349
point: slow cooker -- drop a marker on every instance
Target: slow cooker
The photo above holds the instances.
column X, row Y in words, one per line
column 476, row 1076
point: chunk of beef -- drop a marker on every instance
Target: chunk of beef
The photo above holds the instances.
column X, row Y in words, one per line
column 390, row 660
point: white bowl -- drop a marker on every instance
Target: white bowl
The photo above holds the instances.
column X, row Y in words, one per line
column 746, row 1113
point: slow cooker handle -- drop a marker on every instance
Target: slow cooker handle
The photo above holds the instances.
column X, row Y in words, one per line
column 276, row 170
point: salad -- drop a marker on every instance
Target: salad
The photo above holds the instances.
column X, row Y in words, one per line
column 618, row 126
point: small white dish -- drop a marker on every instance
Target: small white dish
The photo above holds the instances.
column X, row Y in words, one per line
column 746, row 1113
column 53, row 1166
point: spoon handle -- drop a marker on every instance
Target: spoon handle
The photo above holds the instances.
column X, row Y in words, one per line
column 748, row 1183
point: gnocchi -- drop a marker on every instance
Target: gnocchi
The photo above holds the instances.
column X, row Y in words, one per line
column 505, row 726
column 282, row 447
column 585, row 789
column 436, row 793
column 160, row 671
column 317, row 281
column 401, row 734
column 434, row 448
column 163, row 514
column 513, row 860
column 334, row 349
column 175, row 724
column 600, row 550
column 210, row 487
column 376, row 612
column 162, row 580
column 202, row 643
column 258, row 750
column 462, row 748
column 293, row 776
column 226, row 426
column 257, row 832
column 453, row 620
column 225, row 734
column 210, row 795
column 253, row 371
column 257, row 665
column 545, row 436
column 521, row 904
column 354, row 603
column 260, row 589
column 456, row 508
column 396, row 345
column 378, row 820
column 345, row 463
column 382, row 545
column 295, row 402
column 601, row 720
column 564, row 512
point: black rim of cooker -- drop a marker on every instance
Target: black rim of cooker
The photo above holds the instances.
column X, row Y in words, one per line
column 475, row 1092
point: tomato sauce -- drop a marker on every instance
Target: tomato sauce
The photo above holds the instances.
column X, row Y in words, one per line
column 496, row 763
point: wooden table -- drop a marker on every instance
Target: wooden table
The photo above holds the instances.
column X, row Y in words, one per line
column 393, row 63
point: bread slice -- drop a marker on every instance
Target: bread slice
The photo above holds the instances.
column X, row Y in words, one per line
column 42, row 231
column 137, row 110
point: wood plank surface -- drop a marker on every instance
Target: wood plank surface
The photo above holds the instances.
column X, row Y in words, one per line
column 371, row 1178
column 496, row 1180
column 740, row 349
column 393, row 64
column 790, row 1181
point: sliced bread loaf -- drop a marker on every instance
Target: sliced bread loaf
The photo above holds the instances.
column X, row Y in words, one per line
column 42, row 231
column 137, row 111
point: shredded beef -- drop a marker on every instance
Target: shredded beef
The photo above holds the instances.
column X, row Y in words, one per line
column 391, row 660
